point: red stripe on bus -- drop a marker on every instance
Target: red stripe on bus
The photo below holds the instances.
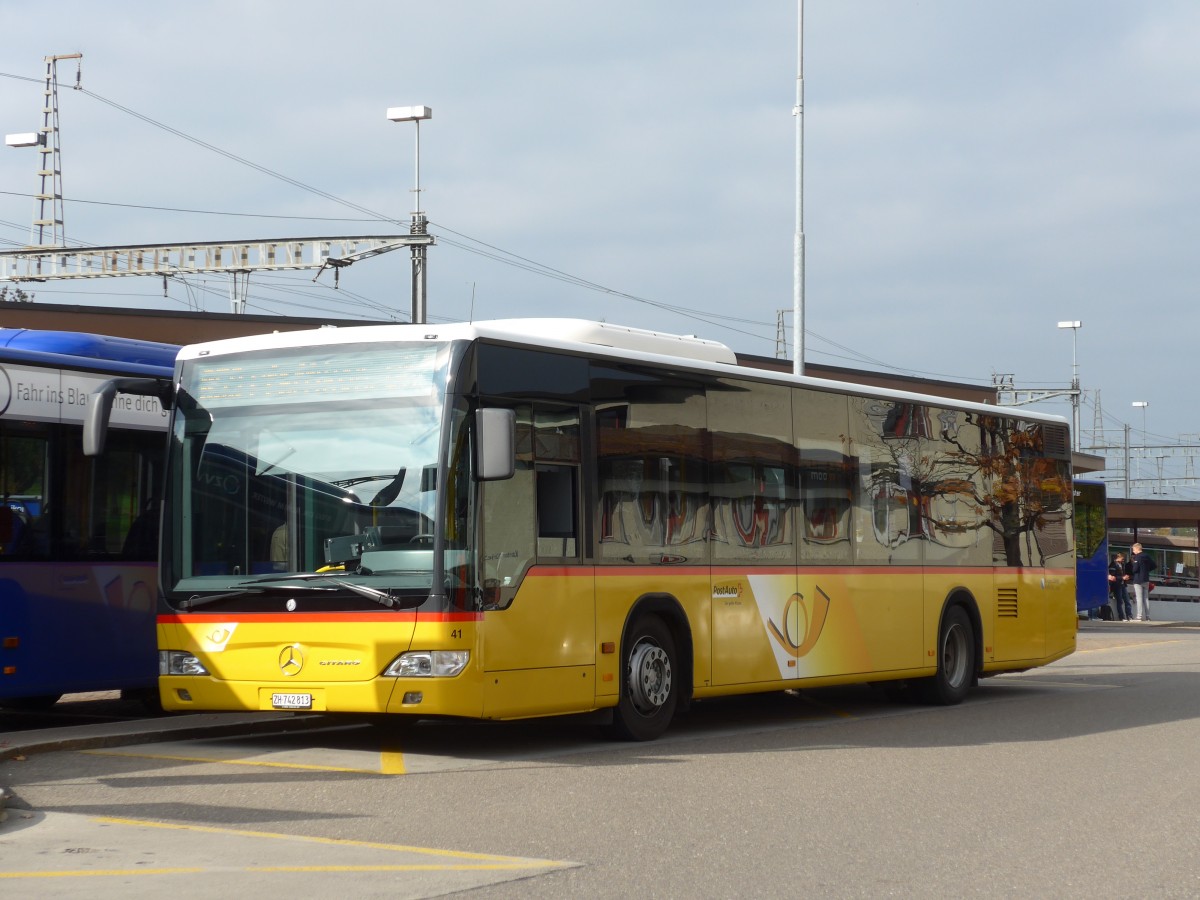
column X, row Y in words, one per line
column 734, row 571
column 410, row 616
column 612, row 571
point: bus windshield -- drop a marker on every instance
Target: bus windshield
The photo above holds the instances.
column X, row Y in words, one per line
column 322, row 477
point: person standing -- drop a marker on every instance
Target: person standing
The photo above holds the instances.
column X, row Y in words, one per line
column 1126, row 592
column 1117, row 576
column 1140, row 567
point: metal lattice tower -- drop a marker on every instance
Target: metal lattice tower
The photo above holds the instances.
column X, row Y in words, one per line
column 49, row 220
column 47, row 256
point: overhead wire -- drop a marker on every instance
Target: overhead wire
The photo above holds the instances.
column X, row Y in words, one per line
column 496, row 253
column 201, row 212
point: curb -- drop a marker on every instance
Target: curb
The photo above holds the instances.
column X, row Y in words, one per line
column 191, row 727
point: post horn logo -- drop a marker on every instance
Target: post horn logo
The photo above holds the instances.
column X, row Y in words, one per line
column 810, row 620
column 291, row 660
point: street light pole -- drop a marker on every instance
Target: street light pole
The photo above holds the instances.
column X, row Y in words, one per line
column 798, row 241
column 419, row 223
column 1074, row 326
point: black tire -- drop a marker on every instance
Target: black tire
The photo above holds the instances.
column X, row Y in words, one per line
column 956, row 661
column 149, row 699
column 389, row 725
column 649, row 686
column 898, row 693
column 30, row 704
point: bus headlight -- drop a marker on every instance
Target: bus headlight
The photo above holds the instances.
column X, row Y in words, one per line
column 428, row 664
column 179, row 662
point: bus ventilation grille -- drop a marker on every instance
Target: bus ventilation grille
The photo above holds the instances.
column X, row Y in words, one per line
column 1056, row 440
column 1006, row 603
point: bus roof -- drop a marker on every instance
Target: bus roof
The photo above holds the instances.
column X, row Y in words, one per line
column 570, row 333
column 78, row 350
column 599, row 339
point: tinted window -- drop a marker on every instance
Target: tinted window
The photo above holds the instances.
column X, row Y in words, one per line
column 953, row 490
column 887, row 438
column 530, row 374
column 753, row 469
column 827, row 475
column 653, row 480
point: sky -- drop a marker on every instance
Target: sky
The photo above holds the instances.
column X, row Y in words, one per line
column 974, row 173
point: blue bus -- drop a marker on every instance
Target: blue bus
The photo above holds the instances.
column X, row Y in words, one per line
column 78, row 535
column 1091, row 547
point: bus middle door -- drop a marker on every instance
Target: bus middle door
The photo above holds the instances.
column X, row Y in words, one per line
column 539, row 628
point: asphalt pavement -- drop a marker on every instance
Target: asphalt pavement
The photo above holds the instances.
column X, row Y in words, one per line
column 123, row 733
column 128, row 732
column 94, row 735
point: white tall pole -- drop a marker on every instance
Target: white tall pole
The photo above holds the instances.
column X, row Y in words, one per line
column 798, row 245
column 1075, row 397
column 415, row 114
column 419, row 277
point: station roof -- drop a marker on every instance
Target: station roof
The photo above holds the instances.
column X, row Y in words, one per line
column 1135, row 512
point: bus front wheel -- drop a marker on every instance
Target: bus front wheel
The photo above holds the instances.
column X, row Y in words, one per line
column 649, row 693
column 956, row 661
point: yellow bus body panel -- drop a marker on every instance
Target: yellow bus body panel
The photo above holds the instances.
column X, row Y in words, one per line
column 336, row 659
column 558, row 647
column 539, row 654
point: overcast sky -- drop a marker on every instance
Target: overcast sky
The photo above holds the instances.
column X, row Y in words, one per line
column 974, row 172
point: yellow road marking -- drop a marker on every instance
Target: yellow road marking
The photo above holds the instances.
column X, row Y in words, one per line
column 391, row 763
column 234, row 762
column 468, row 862
column 414, row 867
column 342, row 842
column 426, row 867
column 88, row 872
column 1125, row 646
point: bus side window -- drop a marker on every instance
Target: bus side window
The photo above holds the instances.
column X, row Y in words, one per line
column 556, row 513
column 556, row 458
column 509, row 536
column 10, row 529
column 141, row 541
column 827, row 476
column 24, row 467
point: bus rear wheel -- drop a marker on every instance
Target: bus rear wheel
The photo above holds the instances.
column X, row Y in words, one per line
column 956, row 661
column 649, row 693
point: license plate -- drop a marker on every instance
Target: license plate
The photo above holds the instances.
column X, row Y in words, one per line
column 291, row 701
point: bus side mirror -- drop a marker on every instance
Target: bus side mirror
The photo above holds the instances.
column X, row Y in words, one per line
column 95, row 424
column 495, row 444
column 100, row 404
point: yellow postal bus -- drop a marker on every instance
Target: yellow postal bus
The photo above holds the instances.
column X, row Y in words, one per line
column 534, row 517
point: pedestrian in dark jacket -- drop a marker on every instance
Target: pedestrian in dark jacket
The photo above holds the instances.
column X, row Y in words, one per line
column 1118, row 576
column 1140, row 567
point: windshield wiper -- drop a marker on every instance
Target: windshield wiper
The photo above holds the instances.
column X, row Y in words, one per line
column 272, row 582
column 197, row 600
column 383, row 598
